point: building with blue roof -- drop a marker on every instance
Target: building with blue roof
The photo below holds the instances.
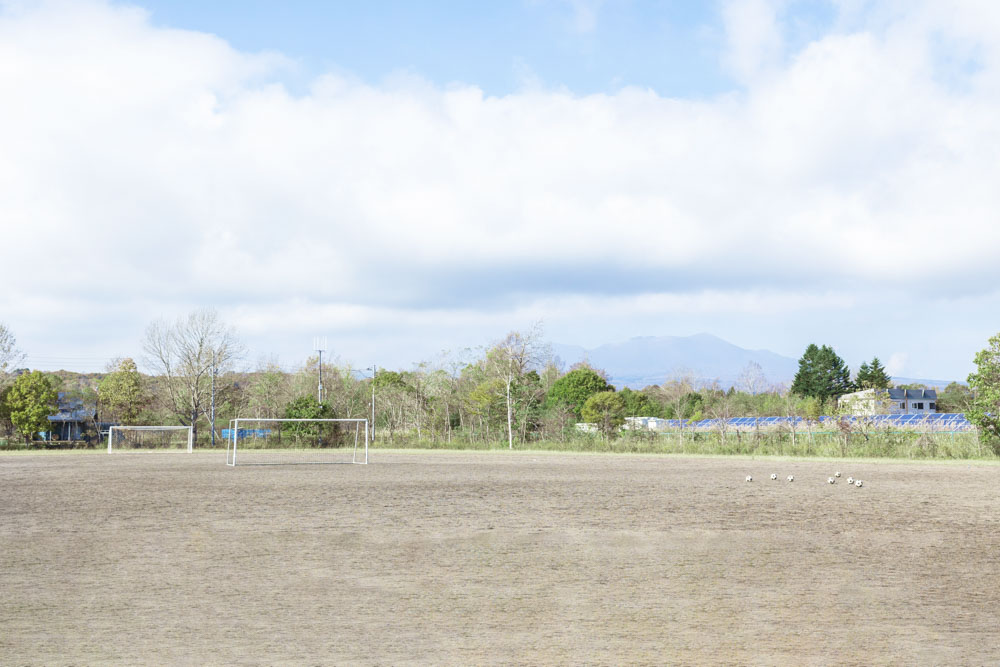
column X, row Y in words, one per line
column 74, row 418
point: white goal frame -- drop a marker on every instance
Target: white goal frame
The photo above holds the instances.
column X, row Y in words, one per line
column 190, row 432
column 234, row 430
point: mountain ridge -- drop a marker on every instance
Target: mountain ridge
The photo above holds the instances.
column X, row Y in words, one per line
column 704, row 358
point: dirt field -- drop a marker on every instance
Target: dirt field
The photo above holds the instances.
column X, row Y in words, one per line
column 473, row 558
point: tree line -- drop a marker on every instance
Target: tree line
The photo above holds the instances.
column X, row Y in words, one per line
column 511, row 392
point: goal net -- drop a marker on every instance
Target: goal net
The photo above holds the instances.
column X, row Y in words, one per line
column 290, row 441
column 165, row 438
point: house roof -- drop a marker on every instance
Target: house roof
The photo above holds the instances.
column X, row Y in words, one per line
column 73, row 410
column 895, row 394
column 913, row 394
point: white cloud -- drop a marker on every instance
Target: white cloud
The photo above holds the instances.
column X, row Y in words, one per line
column 166, row 168
column 897, row 363
column 755, row 44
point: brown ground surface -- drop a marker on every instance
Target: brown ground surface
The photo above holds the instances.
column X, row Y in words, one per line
column 473, row 558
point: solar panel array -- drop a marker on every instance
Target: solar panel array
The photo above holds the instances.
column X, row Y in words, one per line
column 917, row 422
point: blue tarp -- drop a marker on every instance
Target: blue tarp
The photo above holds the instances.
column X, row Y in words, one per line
column 243, row 433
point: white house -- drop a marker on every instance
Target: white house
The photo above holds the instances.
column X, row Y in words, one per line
column 889, row 401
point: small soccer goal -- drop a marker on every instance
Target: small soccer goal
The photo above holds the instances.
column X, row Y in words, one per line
column 150, row 438
column 294, row 441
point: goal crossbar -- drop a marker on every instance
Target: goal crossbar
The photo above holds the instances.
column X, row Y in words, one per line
column 190, row 432
column 356, row 457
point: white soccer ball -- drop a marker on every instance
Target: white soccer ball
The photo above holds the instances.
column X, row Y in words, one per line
column 749, row 478
column 858, row 483
column 831, row 480
column 836, row 474
column 850, row 480
column 773, row 476
column 791, row 479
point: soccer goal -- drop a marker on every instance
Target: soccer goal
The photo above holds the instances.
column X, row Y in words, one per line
column 132, row 438
column 292, row 441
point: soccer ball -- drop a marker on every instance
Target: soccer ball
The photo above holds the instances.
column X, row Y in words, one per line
column 831, row 480
column 850, row 480
column 791, row 479
column 836, row 474
column 773, row 476
column 858, row 484
column 749, row 478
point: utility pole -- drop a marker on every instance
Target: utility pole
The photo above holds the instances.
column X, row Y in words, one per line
column 374, row 371
column 213, row 399
column 319, row 345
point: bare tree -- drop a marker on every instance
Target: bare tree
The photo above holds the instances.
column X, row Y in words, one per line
column 510, row 359
column 450, row 383
column 789, row 408
column 188, row 353
column 752, row 379
column 676, row 392
column 268, row 390
column 10, row 356
column 444, row 384
column 721, row 413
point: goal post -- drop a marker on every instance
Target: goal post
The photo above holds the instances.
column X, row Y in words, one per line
column 294, row 441
column 150, row 437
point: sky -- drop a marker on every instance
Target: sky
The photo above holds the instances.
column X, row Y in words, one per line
column 409, row 178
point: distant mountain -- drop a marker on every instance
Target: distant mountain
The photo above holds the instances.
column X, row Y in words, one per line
column 931, row 384
column 645, row 360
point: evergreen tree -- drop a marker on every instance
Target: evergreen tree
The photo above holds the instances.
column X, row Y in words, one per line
column 872, row 376
column 863, row 377
column 880, row 378
column 822, row 374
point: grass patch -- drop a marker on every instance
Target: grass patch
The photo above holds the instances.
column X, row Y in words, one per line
column 874, row 445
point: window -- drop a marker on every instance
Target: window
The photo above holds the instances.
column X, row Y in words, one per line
column 902, row 405
column 933, row 406
column 919, row 406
